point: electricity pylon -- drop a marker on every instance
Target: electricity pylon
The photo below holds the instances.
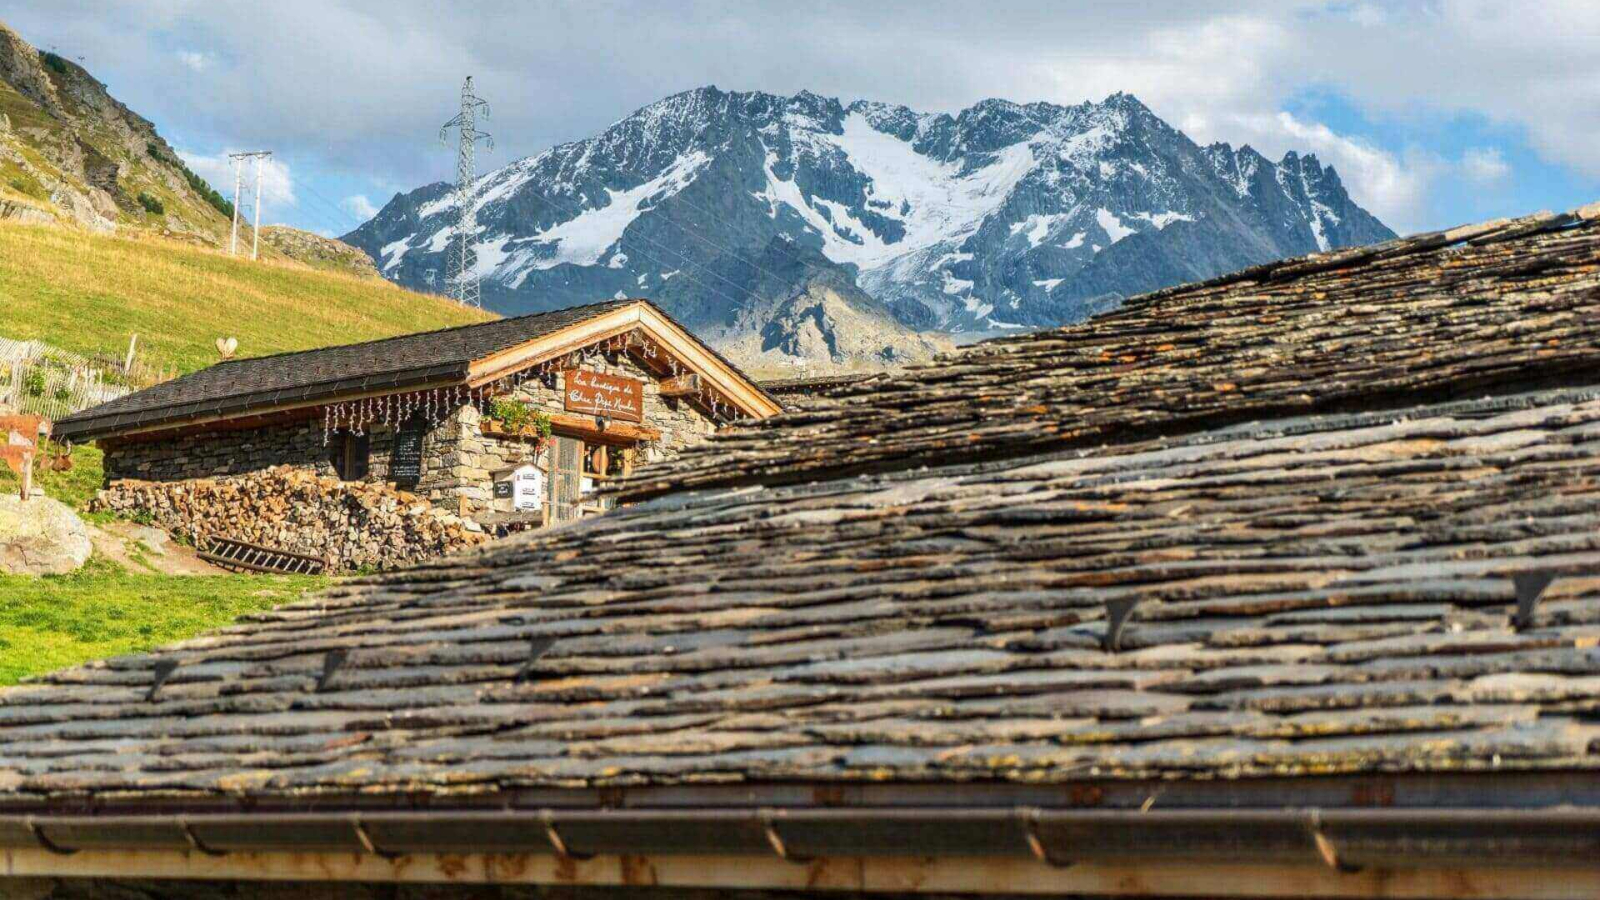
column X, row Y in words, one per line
column 462, row 259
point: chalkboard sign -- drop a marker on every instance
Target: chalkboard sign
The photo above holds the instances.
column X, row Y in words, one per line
column 405, row 461
column 502, row 490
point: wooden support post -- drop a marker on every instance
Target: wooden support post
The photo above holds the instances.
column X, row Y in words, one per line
column 685, row 385
column 27, row 473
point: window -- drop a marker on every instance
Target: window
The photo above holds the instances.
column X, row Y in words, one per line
column 351, row 455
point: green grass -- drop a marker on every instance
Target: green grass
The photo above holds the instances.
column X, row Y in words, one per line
column 103, row 610
column 87, row 293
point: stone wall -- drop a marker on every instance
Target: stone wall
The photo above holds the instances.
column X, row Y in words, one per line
column 457, row 457
column 351, row 526
column 468, row 456
column 216, row 454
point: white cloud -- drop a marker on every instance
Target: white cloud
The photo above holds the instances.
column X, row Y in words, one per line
column 277, row 187
column 359, row 206
column 1220, row 71
column 1484, row 166
column 194, row 59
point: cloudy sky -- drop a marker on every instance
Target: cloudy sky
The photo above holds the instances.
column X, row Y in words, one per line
column 1434, row 113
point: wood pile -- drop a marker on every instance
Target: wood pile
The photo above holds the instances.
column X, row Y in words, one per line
column 353, row 526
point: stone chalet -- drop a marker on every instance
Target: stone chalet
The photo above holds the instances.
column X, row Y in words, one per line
column 620, row 382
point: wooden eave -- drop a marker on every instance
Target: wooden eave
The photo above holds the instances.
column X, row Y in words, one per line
column 689, row 352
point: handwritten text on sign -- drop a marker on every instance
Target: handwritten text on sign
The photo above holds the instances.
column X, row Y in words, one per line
column 600, row 394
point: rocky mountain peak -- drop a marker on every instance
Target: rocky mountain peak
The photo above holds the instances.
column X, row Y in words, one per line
column 725, row 206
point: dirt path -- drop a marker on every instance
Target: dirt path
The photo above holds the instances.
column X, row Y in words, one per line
column 142, row 548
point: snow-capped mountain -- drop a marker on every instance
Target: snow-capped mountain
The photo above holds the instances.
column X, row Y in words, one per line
column 724, row 206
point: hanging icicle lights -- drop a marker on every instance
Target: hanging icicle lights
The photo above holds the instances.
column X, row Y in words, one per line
column 393, row 410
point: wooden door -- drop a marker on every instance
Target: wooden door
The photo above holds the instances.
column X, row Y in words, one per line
column 566, row 478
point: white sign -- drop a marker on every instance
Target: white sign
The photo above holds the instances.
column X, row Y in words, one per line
column 527, row 488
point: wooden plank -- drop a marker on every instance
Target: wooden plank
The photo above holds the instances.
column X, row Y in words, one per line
column 601, row 394
column 985, row 875
column 685, row 385
column 614, row 432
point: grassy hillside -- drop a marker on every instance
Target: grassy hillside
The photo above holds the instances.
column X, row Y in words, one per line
column 87, row 293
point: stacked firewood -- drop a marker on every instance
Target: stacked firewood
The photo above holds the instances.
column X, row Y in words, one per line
column 352, row 526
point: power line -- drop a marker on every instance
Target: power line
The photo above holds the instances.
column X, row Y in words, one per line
column 463, row 257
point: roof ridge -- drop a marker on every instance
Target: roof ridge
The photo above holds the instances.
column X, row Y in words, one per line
column 415, row 334
column 1275, row 340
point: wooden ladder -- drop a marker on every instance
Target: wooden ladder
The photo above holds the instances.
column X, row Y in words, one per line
column 242, row 555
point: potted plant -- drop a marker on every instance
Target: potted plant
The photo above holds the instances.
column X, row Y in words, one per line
column 517, row 419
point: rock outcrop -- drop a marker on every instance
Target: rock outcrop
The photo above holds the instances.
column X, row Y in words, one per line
column 41, row 536
column 69, row 147
column 318, row 252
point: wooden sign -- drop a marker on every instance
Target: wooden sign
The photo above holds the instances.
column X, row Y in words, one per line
column 405, row 460
column 599, row 394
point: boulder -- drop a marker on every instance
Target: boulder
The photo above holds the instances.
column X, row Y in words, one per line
column 41, row 536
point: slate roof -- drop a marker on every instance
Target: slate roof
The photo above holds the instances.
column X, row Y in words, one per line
column 813, row 384
column 240, row 384
column 1434, row 315
column 1317, row 592
column 1320, row 595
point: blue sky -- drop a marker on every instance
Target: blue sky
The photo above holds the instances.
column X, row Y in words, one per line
column 1434, row 113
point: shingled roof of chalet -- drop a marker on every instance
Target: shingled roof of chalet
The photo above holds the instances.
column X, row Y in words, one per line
column 1228, row 616
column 1431, row 316
column 239, row 387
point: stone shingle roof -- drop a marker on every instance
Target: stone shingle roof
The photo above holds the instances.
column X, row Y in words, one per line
column 1433, row 315
column 1315, row 491
column 1323, row 594
column 238, row 385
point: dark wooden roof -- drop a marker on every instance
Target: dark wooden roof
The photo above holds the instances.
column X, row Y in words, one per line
column 1442, row 314
column 1319, row 595
column 242, row 384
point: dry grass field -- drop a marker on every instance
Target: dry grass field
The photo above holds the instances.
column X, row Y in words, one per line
column 87, row 293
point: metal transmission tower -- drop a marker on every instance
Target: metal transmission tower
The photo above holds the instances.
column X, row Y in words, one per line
column 238, row 182
column 462, row 260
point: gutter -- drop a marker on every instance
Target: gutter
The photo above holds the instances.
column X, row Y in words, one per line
column 84, row 426
column 1340, row 840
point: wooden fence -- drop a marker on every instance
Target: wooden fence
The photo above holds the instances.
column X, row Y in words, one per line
column 48, row 381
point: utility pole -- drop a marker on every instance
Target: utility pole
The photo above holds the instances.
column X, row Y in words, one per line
column 462, row 259
column 238, row 160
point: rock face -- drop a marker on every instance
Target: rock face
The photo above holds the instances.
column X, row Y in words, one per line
column 350, row 525
column 725, row 207
column 68, row 146
column 318, row 252
column 41, row 536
